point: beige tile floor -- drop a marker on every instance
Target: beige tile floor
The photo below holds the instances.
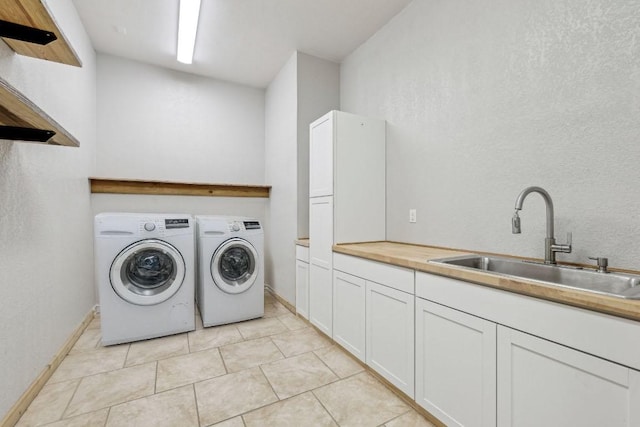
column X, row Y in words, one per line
column 274, row 371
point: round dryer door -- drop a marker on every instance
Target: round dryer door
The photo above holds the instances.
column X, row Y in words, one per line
column 147, row 272
column 233, row 266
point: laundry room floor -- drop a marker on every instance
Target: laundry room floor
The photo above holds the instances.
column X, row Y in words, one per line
column 274, row 371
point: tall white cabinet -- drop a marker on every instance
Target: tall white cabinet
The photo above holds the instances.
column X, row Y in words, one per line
column 347, row 198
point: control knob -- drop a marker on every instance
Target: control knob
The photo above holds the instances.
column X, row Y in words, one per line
column 149, row 226
column 235, row 226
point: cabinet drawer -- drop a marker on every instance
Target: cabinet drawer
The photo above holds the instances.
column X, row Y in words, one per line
column 302, row 253
column 395, row 277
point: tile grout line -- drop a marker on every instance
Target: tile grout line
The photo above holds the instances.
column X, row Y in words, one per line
column 106, row 420
column 66, row 408
column 195, row 400
column 396, row 417
column 224, row 364
column 325, row 364
column 324, row 407
column 155, row 380
column 270, row 385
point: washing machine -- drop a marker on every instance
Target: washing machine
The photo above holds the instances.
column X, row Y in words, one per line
column 145, row 271
column 230, row 279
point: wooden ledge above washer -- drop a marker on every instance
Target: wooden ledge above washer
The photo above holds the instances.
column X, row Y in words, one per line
column 128, row 186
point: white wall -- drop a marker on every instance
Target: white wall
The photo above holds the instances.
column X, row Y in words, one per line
column 46, row 250
column 281, row 174
column 486, row 98
column 305, row 88
column 155, row 123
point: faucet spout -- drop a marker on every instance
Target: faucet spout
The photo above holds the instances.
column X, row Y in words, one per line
column 547, row 200
column 550, row 246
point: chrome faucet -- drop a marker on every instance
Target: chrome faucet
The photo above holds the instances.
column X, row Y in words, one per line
column 550, row 246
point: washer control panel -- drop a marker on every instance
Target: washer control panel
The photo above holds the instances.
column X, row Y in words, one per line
column 161, row 226
column 149, row 225
column 242, row 225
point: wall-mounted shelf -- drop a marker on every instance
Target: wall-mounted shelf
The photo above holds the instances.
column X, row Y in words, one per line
column 34, row 13
column 17, row 110
column 127, row 186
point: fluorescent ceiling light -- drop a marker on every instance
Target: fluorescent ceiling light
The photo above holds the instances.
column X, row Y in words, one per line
column 187, row 29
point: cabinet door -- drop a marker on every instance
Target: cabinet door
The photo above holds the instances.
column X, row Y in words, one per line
column 321, row 263
column 302, row 288
column 389, row 335
column 348, row 313
column 321, row 156
column 541, row 383
column 321, row 299
column 321, row 231
column 455, row 365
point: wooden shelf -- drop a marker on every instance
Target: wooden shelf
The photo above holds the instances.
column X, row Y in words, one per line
column 34, row 13
column 127, row 186
column 17, row 110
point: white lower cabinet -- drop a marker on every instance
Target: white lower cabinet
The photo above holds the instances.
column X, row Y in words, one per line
column 349, row 313
column 541, row 383
column 320, row 263
column 302, row 288
column 321, row 298
column 480, row 356
column 455, row 365
column 390, row 335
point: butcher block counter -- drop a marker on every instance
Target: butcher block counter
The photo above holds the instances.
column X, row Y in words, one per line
column 417, row 257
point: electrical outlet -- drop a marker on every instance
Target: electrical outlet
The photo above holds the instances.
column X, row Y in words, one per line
column 412, row 215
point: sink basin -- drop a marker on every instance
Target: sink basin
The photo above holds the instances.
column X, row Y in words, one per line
column 611, row 284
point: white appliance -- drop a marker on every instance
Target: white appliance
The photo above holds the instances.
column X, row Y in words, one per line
column 145, row 268
column 230, row 269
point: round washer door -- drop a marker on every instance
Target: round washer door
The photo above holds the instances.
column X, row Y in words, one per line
column 147, row 272
column 233, row 266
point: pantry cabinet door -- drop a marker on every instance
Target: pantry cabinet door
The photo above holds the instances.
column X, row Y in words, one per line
column 321, row 142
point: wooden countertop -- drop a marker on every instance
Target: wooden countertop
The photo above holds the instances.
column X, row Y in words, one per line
column 416, row 257
column 302, row 242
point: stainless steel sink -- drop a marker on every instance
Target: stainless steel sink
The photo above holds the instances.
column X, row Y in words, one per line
column 611, row 284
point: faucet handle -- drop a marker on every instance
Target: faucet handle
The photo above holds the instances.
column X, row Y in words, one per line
column 603, row 263
column 563, row 247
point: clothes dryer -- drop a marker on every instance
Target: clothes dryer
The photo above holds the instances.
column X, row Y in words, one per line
column 145, row 271
column 230, row 279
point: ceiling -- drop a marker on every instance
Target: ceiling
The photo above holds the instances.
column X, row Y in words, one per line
column 243, row 41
